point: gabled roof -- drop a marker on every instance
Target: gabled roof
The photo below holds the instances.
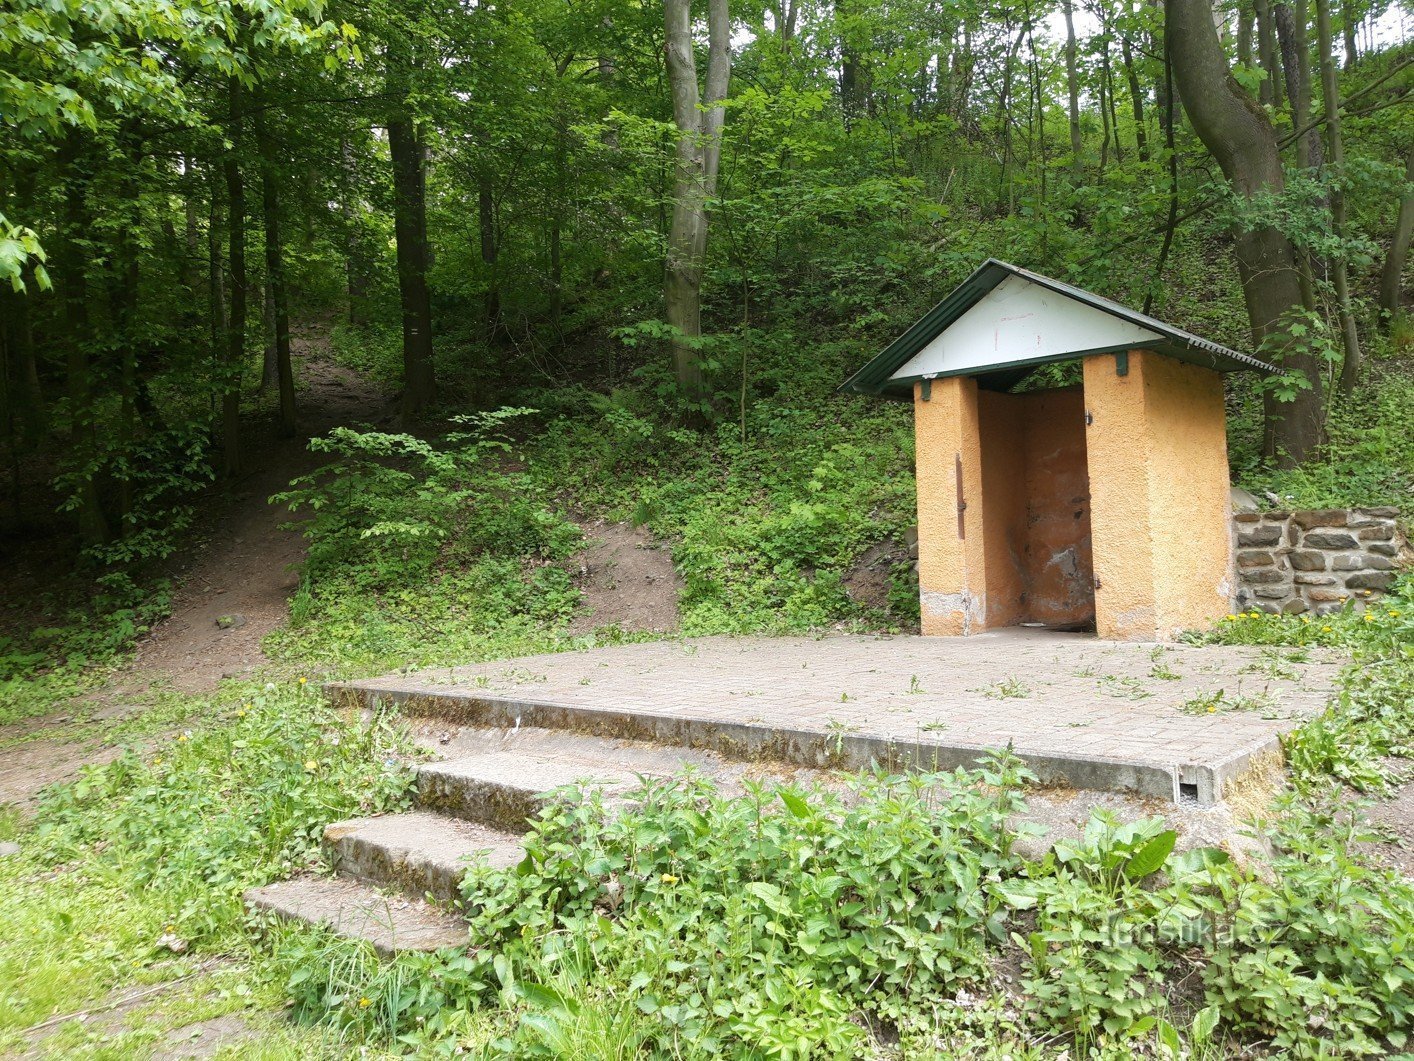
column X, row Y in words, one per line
column 1049, row 329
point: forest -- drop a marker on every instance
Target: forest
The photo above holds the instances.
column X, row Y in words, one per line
column 500, row 203
column 370, row 316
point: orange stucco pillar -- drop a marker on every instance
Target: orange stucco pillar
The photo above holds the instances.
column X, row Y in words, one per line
column 951, row 547
column 1156, row 451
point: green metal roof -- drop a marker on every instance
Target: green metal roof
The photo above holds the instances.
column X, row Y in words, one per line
column 874, row 378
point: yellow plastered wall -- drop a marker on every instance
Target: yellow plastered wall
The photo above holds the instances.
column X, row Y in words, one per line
column 1156, row 449
column 951, row 569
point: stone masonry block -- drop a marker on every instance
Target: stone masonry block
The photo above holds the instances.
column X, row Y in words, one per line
column 1308, row 578
column 1322, row 517
column 1364, row 517
column 1278, row 592
column 1294, row 607
column 1324, row 593
column 1259, row 536
column 1382, row 533
column 1261, row 575
column 1380, row 580
column 1382, row 549
column 1320, row 539
column 1246, row 517
column 1307, row 560
column 1254, row 558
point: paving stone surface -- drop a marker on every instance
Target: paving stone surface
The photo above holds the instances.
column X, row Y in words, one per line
column 391, row 923
column 1045, row 693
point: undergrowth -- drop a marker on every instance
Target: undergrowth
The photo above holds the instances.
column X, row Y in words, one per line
column 146, row 857
column 46, row 666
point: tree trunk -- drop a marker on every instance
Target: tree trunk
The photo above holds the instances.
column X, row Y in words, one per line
column 1350, row 19
column 1136, row 93
column 73, row 290
column 275, row 286
column 1290, row 18
column 1392, row 276
column 355, row 261
column 1270, row 93
column 1072, row 88
column 1335, row 152
column 699, row 124
column 23, row 369
column 410, row 233
column 496, row 331
column 234, row 361
column 1241, row 138
column 1245, row 21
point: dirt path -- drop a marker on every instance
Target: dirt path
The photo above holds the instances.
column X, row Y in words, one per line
column 230, row 590
column 235, row 588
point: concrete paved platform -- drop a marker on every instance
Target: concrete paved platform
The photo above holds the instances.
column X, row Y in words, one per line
column 1171, row 721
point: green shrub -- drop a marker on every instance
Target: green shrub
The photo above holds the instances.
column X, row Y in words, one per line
column 758, row 924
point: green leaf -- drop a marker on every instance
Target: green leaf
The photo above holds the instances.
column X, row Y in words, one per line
column 795, row 804
column 1151, row 857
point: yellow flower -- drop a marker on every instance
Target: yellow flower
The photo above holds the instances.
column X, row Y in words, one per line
column 364, row 1003
column 1305, row 618
column 1212, row 709
column 1231, row 617
column 1393, row 614
column 181, row 737
column 311, row 766
column 668, row 878
column 1369, row 618
column 1327, row 629
column 157, row 761
column 303, row 679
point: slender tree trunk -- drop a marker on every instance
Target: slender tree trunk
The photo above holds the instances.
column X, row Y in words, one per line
column 699, row 118
column 1335, row 152
column 410, row 232
column 277, row 290
column 1072, row 89
column 355, row 261
column 269, row 370
column 1166, row 122
column 73, row 285
column 496, row 331
column 1350, row 19
column 1243, row 142
column 23, row 369
column 1136, row 93
column 1392, row 276
column 1246, row 19
column 216, row 282
column 1290, row 17
column 125, row 295
column 1271, row 93
column 235, row 330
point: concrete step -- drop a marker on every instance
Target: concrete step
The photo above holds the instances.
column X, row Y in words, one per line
column 392, row 923
column 505, row 788
column 420, row 853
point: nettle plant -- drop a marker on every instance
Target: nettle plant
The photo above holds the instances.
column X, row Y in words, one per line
column 389, row 506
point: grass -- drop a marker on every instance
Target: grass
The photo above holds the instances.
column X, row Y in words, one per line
column 148, row 855
column 789, row 924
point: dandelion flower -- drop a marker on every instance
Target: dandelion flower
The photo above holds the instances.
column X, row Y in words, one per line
column 311, row 766
column 365, row 1002
column 668, row 878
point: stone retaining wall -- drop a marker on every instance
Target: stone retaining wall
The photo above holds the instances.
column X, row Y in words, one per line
column 1317, row 560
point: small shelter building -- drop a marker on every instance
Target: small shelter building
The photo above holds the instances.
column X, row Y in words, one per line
column 1103, row 505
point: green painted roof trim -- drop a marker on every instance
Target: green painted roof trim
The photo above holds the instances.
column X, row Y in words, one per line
column 874, row 378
